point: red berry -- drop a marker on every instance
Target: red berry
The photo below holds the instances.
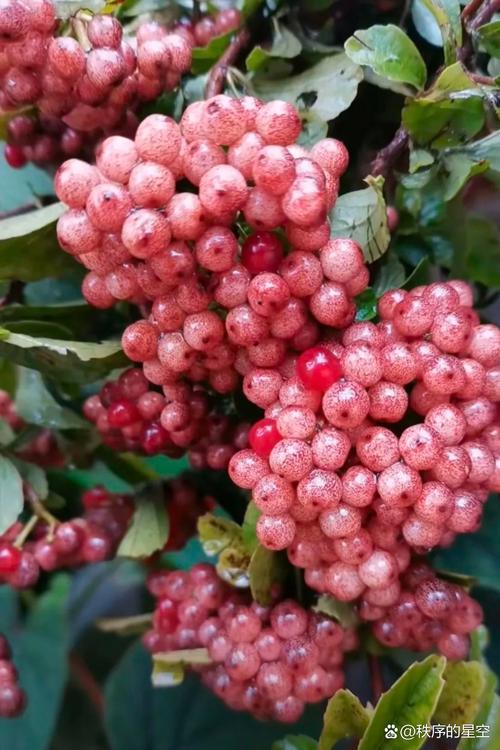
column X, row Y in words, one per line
column 263, row 436
column 95, row 498
column 318, row 368
column 14, row 156
column 123, row 413
column 154, row 438
column 262, row 251
column 10, row 557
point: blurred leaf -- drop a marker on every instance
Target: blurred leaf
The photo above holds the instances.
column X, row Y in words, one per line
column 233, row 565
column 168, row 668
column 187, row 717
column 47, row 329
column 343, row 612
column 389, row 52
column 459, row 169
column 69, row 361
column 40, row 653
column 482, row 256
column 28, row 246
column 464, row 686
column 333, row 81
column 313, row 129
column 344, row 717
column 447, row 15
column 148, row 530
column 37, row 406
column 485, row 149
column 205, row 57
column 420, row 157
column 216, row 533
column 412, row 700
column 362, row 216
column 366, row 305
column 284, row 44
column 7, row 434
column 267, row 570
column 11, row 494
column 419, row 275
column 487, row 715
column 248, row 532
column 295, row 742
column 425, row 23
column 489, row 36
column 78, row 316
column 8, row 376
column 391, row 275
column 250, row 6
column 450, row 113
column 33, row 475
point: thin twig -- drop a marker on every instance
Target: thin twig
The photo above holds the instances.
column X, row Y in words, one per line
column 87, row 681
column 471, row 8
column 26, row 531
column 387, row 156
column 376, row 680
column 217, row 77
column 40, row 510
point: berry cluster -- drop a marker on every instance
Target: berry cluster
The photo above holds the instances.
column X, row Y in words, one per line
column 12, row 697
column 132, row 416
column 423, row 613
column 43, row 449
column 340, row 484
column 200, row 33
column 270, row 661
column 84, row 85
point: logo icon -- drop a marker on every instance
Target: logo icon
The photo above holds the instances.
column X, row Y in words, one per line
column 391, row 732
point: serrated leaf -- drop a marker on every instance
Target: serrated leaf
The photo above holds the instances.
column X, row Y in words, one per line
column 284, row 44
column 391, row 275
column 411, row 700
column 69, row 361
column 464, row 686
column 34, row 475
column 333, row 81
column 216, row 533
column 11, row 494
column 148, row 530
column 447, row 16
column 131, row 625
column 28, row 246
column 205, row 57
column 295, row 742
column 267, row 570
column 389, row 52
column 344, row 717
column 343, row 612
column 489, row 37
column 362, row 216
column 37, row 406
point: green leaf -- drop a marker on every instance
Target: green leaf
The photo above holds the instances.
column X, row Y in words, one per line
column 69, row 361
column 249, row 7
column 79, row 316
column 205, row 57
column 7, row 434
column 425, row 23
column 11, row 494
column 484, row 150
column 361, row 216
column 34, row 475
column 233, row 565
column 248, row 528
column 489, row 37
column 148, row 530
column 411, row 700
column 343, row 612
column 464, row 686
column 447, row 15
column 420, row 157
column 314, row 128
column 216, row 533
column 284, row 44
column 40, row 647
column 482, row 255
column 459, row 169
column 37, row 406
column 333, row 81
column 389, row 52
column 295, row 742
column 450, row 113
column 187, row 717
column 344, row 717
column 267, row 569
column 28, row 246
column 391, row 275
column 366, row 305
column 168, row 668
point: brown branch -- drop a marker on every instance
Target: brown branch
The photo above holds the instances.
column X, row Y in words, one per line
column 475, row 14
column 86, row 681
column 376, row 680
column 471, row 8
column 217, row 77
column 387, row 156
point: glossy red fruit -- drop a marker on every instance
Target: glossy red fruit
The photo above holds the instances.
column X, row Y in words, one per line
column 95, row 498
column 123, row 413
column 154, row 439
column 14, row 156
column 263, row 436
column 262, row 251
column 10, row 557
column 318, row 368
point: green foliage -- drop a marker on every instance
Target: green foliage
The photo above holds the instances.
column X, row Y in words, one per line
column 361, row 215
column 345, row 716
column 205, row 57
column 390, row 53
column 149, row 527
column 11, row 494
column 447, row 16
column 267, row 570
column 37, row 406
column 284, row 45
